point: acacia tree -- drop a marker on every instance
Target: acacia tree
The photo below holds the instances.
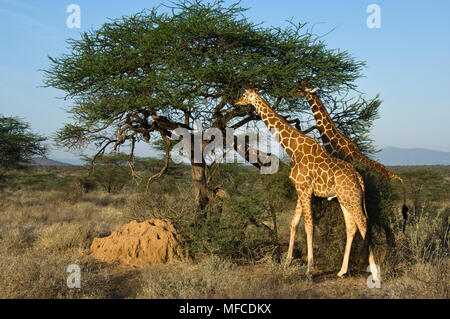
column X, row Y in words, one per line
column 18, row 144
column 110, row 171
column 148, row 74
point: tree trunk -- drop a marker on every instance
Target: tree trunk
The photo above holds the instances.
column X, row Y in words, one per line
column 205, row 198
column 202, row 194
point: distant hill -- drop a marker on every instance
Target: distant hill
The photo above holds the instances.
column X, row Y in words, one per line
column 390, row 156
column 42, row 161
column 412, row 156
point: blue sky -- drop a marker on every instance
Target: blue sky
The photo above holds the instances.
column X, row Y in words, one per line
column 408, row 58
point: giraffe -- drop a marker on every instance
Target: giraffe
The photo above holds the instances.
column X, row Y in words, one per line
column 339, row 145
column 315, row 172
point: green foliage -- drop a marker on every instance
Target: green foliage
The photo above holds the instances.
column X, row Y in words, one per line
column 380, row 204
column 160, row 145
column 154, row 67
column 35, row 179
column 427, row 182
column 111, row 171
column 229, row 234
column 355, row 119
column 235, row 177
column 18, row 145
column 229, row 231
column 278, row 190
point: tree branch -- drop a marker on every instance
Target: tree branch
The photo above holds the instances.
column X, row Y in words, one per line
column 312, row 128
column 166, row 162
column 252, row 117
column 255, row 153
column 132, row 162
column 100, row 152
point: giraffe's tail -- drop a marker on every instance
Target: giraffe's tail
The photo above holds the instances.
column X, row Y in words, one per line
column 404, row 208
column 361, row 183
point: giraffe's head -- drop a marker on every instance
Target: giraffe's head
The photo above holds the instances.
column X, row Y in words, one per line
column 304, row 89
column 247, row 97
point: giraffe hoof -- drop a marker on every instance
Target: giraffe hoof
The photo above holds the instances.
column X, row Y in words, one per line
column 343, row 275
column 288, row 262
column 308, row 276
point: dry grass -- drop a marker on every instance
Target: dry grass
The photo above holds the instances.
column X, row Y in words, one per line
column 42, row 232
column 217, row 278
column 404, row 275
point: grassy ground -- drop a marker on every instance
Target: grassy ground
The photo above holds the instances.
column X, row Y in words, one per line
column 46, row 226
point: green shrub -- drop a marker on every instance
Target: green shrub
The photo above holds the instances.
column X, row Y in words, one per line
column 34, row 178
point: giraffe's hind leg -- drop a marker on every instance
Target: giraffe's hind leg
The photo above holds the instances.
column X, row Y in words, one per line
column 350, row 228
column 355, row 211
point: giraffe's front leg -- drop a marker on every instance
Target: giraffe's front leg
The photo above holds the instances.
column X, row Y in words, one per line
column 294, row 227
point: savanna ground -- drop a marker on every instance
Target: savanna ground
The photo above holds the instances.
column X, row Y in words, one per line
column 49, row 217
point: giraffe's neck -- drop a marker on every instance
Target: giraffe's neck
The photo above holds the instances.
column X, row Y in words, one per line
column 329, row 134
column 323, row 118
column 275, row 121
column 331, row 137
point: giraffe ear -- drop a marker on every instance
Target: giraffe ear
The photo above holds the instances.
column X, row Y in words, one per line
column 311, row 90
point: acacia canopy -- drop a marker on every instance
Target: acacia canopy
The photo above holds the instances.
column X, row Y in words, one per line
column 161, row 69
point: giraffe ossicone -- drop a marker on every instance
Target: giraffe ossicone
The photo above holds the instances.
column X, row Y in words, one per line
column 314, row 171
